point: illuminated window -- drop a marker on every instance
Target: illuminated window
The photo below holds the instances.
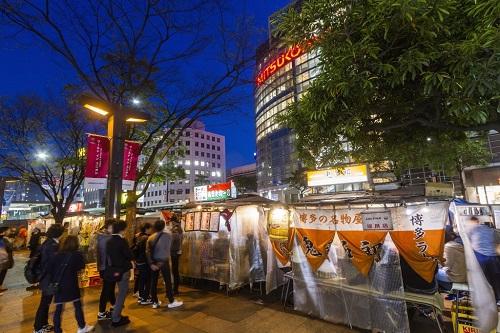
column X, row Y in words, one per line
column 202, row 163
column 187, row 171
column 188, row 162
column 213, row 173
column 196, row 163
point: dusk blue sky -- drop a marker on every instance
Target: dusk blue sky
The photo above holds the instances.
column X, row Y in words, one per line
column 33, row 68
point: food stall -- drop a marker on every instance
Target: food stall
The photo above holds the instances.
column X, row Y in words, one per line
column 346, row 260
column 227, row 241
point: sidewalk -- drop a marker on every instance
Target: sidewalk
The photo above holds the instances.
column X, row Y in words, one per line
column 203, row 311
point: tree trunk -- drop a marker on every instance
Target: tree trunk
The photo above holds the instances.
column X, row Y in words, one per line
column 462, row 181
column 131, row 212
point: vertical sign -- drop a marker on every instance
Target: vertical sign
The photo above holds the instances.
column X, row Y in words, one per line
column 130, row 157
column 96, row 169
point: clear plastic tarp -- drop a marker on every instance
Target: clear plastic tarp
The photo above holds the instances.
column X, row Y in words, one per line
column 233, row 256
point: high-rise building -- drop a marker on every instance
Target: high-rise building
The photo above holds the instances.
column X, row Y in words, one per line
column 282, row 76
column 204, row 162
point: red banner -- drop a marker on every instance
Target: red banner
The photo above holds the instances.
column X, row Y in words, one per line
column 131, row 152
column 96, row 169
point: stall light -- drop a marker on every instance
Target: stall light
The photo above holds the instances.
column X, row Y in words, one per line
column 198, row 207
column 136, row 120
column 102, row 112
column 408, row 211
column 278, row 213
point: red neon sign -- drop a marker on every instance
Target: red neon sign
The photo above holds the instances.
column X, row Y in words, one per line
column 280, row 61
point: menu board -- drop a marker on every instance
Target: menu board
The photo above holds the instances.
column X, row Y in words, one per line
column 197, row 221
column 214, row 221
column 189, row 223
column 205, row 221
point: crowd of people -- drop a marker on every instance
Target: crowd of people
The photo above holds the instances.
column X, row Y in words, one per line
column 155, row 251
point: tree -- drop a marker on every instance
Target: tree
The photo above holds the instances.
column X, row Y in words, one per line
column 201, row 180
column 298, row 180
column 41, row 142
column 147, row 49
column 407, row 81
column 246, row 184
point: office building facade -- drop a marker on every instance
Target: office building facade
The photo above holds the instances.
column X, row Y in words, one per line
column 204, row 162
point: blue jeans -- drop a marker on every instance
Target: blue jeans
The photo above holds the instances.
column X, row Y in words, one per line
column 78, row 315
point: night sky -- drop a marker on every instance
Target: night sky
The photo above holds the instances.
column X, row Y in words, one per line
column 31, row 67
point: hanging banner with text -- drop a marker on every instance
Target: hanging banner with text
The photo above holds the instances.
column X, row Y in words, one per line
column 96, row 168
column 419, row 236
column 131, row 152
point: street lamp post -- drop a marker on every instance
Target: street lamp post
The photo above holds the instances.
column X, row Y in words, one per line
column 118, row 117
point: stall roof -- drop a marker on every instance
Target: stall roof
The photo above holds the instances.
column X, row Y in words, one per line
column 246, row 199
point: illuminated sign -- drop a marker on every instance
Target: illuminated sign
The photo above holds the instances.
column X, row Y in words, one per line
column 215, row 192
column 279, row 62
column 344, row 175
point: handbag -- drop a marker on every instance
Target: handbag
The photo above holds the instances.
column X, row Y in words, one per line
column 54, row 286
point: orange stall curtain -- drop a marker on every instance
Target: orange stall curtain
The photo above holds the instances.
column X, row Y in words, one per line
column 419, row 236
column 315, row 244
column 362, row 247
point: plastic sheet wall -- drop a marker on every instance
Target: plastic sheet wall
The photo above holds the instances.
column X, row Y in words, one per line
column 337, row 290
column 232, row 257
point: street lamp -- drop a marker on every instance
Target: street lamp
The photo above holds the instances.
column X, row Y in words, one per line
column 118, row 117
column 42, row 155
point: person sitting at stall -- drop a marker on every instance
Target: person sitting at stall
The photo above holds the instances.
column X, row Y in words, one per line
column 453, row 269
column 483, row 242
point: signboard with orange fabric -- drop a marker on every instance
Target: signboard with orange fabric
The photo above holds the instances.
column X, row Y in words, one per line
column 419, row 236
column 315, row 244
column 283, row 247
column 362, row 247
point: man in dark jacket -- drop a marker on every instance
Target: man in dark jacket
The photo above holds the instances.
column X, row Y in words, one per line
column 7, row 248
column 139, row 253
column 47, row 250
column 119, row 261
column 108, row 287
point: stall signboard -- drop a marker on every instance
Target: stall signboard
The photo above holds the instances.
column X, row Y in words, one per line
column 377, row 220
column 336, row 176
column 278, row 223
column 439, row 190
column 75, row 207
column 131, row 152
column 496, row 215
column 96, row 168
column 215, row 192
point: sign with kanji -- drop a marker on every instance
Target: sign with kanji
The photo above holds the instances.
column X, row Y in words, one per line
column 377, row 220
column 215, row 192
column 362, row 247
column 419, row 236
column 335, row 176
column 315, row 244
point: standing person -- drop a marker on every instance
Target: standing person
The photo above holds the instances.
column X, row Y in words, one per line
column 483, row 242
column 141, row 263
column 34, row 243
column 47, row 250
column 108, row 287
column 64, row 268
column 176, row 250
column 119, row 264
column 158, row 256
column 6, row 258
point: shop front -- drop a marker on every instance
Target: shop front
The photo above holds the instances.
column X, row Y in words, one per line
column 483, row 184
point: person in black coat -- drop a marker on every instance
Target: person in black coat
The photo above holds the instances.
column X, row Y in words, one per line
column 7, row 246
column 64, row 268
column 47, row 250
column 139, row 253
column 34, row 242
column 119, row 264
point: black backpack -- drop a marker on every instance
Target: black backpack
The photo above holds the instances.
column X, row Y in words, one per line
column 33, row 269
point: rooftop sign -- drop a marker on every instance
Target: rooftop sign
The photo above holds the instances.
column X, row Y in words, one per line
column 278, row 62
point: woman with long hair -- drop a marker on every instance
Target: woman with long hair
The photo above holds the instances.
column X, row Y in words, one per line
column 64, row 268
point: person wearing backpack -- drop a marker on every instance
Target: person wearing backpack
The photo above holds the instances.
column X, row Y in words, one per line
column 158, row 256
column 34, row 243
column 6, row 258
column 48, row 250
column 118, row 266
column 108, row 286
column 139, row 253
column 64, row 268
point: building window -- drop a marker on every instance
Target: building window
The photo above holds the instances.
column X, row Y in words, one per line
column 188, row 152
column 172, row 191
column 202, row 154
column 218, row 139
column 196, row 163
column 179, row 191
column 213, row 139
column 202, row 163
column 186, row 181
column 218, row 173
column 202, row 172
column 213, row 164
column 187, row 172
column 202, row 145
column 156, row 193
column 208, row 137
column 196, row 144
column 188, row 133
column 196, row 153
column 218, row 157
column 188, row 191
column 172, row 183
column 218, row 165
column 213, row 155
column 195, row 135
column 179, row 162
column 196, row 172
column 203, row 136
column 171, row 200
column 188, row 143
column 218, row 148
column 213, row 174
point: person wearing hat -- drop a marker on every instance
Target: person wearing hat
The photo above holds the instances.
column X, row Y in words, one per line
column 6, row 257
